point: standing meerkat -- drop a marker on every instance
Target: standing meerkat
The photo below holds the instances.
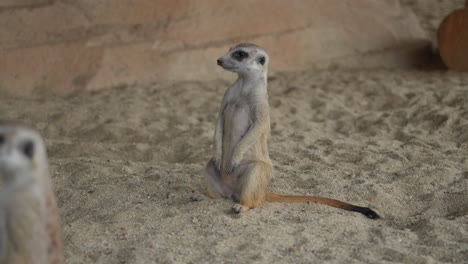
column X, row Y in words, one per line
column 29, row 219
column 241, row 167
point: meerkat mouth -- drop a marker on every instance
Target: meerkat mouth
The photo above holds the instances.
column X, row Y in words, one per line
column 230, row 68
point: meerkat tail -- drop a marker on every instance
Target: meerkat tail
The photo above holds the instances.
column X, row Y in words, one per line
column 272, row 197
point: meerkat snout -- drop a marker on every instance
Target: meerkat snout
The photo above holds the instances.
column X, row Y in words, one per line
column 219, row 62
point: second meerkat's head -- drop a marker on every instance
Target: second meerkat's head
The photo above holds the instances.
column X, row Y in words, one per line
column 245, row 58
column 22, row 152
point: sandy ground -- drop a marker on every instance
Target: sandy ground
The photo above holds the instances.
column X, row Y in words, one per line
column 126, row 161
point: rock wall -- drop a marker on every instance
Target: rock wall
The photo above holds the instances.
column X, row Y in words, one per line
column 67, row 46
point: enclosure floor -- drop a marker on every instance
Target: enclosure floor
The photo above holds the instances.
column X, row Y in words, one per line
column 126, row 161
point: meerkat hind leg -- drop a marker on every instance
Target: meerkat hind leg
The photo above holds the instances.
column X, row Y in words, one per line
column 253, row 184
column 216, row 188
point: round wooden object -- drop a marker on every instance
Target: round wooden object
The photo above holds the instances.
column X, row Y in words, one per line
column 453, row 40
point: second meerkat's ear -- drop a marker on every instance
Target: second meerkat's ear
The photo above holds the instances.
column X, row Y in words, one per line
column 261, row 60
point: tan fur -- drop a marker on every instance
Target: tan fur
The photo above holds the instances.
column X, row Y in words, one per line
column 241, row 168
column 56, row 248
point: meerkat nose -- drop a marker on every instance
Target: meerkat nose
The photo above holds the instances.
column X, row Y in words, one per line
column 219, row 61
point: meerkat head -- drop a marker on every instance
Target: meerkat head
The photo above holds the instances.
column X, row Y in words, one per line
column 22, row 152
column 245, row 58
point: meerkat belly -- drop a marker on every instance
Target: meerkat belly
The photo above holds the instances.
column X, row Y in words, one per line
column 237, row 122
column 29, row 227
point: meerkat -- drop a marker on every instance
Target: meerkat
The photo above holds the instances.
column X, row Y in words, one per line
column 241, row 168
column 29, row 218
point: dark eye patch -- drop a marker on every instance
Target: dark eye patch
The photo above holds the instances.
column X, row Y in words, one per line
column 261, row 60
column 2, row 139
column 28, row 149
column 240, row 55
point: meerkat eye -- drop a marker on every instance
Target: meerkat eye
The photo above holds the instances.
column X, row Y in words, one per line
column 261, row 60
column 2, row 139
column 240, row 55
column 28, row 149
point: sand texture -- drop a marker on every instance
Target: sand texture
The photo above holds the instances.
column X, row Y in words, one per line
column 126, row 162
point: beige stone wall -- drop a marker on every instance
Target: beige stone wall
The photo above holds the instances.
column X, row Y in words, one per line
column 73, row 45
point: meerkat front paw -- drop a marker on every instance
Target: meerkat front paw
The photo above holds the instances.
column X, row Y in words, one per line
column 231, row 168
column 217, row 162
column 233, row 165
column 239, row 208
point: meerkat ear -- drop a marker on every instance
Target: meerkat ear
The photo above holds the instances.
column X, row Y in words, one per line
column 261, row 60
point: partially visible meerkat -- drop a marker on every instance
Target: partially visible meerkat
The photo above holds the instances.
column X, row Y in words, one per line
column 241, row 167
column 30, row 230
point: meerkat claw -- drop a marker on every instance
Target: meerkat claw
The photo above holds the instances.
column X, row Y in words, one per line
column 217, row 164
column 231, row 168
